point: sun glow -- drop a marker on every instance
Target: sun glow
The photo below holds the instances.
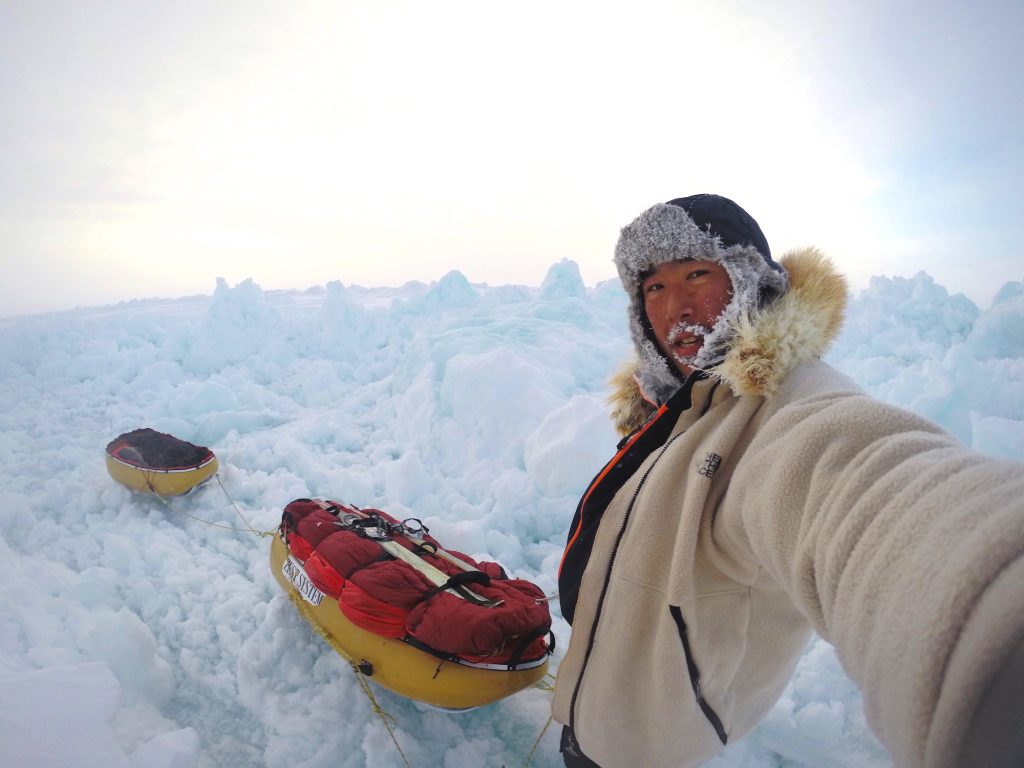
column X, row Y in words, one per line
column 381, row 142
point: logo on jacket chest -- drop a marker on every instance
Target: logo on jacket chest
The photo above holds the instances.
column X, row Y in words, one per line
column 709, row 465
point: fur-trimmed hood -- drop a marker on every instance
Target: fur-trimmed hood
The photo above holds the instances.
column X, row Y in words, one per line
column 766, row 343
column 701, row 228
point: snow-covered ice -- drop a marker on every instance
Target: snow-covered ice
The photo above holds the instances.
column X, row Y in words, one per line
column 134, row 634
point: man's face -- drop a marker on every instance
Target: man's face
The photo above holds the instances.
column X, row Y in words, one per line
column 683, row 299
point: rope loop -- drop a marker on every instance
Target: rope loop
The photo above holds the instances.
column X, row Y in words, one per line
column 247, row 529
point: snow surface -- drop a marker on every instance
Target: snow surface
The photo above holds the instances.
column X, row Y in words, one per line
column 133, row 634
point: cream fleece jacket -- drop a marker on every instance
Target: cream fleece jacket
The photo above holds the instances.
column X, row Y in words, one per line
column 783, row 501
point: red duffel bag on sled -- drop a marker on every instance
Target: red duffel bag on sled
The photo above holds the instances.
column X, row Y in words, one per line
column 429, row 623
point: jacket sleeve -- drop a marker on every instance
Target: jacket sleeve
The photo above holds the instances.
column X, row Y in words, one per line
column 905, row 550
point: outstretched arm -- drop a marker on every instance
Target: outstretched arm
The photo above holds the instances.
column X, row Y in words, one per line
column 906, row 551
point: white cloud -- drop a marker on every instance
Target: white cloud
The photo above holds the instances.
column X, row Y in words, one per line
column 379, row 142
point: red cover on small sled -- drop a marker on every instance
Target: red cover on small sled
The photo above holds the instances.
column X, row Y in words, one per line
column 150, row 449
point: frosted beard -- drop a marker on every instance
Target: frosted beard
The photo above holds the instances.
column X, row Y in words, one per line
column 681, row 331
column 714, row 342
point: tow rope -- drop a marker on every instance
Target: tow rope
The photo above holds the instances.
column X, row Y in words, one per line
column 248, row 526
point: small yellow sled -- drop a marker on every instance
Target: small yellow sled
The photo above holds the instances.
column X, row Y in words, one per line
column 147, row 460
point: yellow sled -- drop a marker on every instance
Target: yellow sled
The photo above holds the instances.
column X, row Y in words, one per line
column 130, row 461
column 395, row 664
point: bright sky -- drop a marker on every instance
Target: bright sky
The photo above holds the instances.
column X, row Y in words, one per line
column 149, row 148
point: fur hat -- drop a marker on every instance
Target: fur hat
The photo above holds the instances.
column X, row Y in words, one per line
column 701, row 228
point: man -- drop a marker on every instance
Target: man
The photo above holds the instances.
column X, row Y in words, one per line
column 759, row 495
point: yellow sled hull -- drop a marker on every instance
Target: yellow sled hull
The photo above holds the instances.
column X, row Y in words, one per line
column 396, row 665
column 162, row 482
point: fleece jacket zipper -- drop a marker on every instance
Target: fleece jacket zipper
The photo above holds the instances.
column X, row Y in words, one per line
column 691, row 668
column 611, row 564
column 607, row 582
column 633, row 451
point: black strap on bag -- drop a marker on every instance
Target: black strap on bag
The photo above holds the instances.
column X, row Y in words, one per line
column 526, row 640
column 455, row 584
